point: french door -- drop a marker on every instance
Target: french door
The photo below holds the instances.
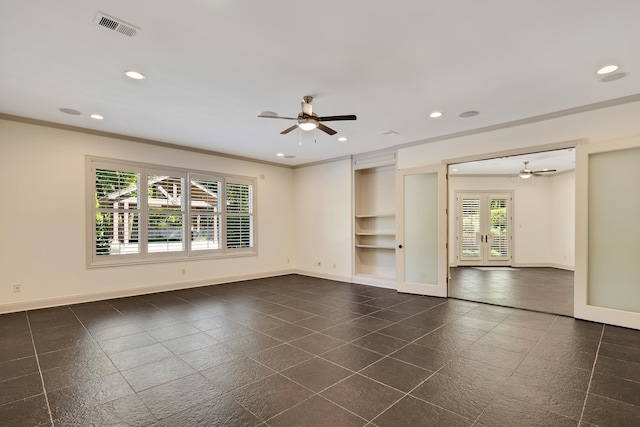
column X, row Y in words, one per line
column 484, row 235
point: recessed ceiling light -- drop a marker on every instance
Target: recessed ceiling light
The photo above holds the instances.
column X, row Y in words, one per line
column 134, row 75
column 612, row 77
column 96, row 116
column 342, row 139
column 470, row 113
column 607, row 69
column 70, row 111
column 280, row 154
column 435, row 114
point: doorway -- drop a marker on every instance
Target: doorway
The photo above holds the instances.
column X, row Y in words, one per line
column 525, row 257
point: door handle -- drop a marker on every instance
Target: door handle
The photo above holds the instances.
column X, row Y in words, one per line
column 399, row 246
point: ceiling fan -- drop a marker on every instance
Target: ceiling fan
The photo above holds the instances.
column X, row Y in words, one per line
column 528, row 173
column 307, row 119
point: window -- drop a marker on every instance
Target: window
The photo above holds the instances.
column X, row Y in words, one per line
column 144, row 213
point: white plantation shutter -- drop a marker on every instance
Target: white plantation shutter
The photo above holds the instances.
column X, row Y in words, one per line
column 117, row 212
column 140, row 212
column 205, row 203
column 470, row 227
column 165, row 212
column 499, row 220
column 239, row 218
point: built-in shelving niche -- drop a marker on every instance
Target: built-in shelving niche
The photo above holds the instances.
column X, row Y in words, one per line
column 374, row 220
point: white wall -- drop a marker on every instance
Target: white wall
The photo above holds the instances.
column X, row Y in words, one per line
column 324, row 220
column 42, row 220
column 563, row 224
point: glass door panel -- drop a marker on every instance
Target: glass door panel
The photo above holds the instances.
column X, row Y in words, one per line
column 607, row 233
column 421, row 231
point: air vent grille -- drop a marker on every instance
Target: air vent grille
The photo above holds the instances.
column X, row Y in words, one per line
column 115, row 24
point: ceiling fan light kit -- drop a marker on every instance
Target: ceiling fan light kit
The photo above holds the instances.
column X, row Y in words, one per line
column 307, row 124
column 528, row 173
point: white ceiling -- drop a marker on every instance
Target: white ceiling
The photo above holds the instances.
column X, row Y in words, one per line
column 213, row 65
column 561, row 160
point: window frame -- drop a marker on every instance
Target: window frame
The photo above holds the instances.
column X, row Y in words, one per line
column 144, row 256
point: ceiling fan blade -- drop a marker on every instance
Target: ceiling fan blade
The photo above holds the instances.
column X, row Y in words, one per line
column 263, row 116
column 335, row 118
column 287, row 130
column 545, row 171
column 326, row 129
column 307, row 109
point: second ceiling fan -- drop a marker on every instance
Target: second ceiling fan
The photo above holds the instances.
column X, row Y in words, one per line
column 528, row 173
column 307, row 119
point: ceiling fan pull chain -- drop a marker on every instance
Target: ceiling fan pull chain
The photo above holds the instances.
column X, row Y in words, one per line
column 300, row 137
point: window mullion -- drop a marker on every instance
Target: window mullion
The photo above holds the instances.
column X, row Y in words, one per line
column 144, row 213
column 223, row 216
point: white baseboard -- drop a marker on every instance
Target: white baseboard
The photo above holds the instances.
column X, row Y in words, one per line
column 321, row 275
column 535, row 265
column 563, row 267
column 547, row 265
column 98, row 296
column 380, row 282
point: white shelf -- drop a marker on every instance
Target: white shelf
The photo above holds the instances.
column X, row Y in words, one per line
column 376, row 233
column 375, row 247
column 380, row 215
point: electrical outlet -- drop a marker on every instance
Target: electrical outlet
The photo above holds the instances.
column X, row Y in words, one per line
column 334, row 265
column 317, row 264
column 288, row 260
column 184, row 271
column 17, row 287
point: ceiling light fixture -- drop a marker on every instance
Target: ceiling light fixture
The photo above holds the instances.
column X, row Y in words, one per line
column 470, row 113
column 307, row 124
column 70, row 111
column 342, row 139
column 134, row 75
column 280, row 154
column 525, row 174
column 607, row 69
column 435, row 114
column 96, row 116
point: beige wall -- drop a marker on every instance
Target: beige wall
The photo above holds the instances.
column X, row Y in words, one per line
column 43, row 210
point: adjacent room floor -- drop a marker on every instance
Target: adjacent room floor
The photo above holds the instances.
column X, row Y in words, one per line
column 549, row 290
column 301, row 351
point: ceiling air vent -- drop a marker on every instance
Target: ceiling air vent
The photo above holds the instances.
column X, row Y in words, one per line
column 116, row 24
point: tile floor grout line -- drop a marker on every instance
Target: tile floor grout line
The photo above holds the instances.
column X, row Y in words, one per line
column 384, row 356
column 35, row 352
column 433, row 373
column 110, row 360
column 593, row 370
column 477, row 420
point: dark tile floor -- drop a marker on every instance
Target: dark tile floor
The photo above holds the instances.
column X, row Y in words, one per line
column 300, row 351
column 549, row 290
